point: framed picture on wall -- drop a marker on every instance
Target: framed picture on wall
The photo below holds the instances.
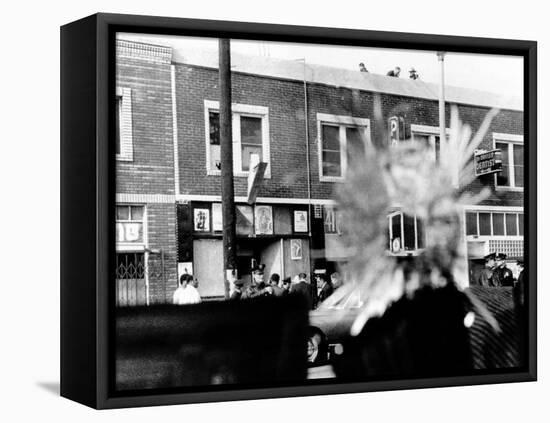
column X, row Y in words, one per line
column 408, row 179
column 296, row 249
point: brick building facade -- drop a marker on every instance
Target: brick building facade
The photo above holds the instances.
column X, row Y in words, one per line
column 303, row 121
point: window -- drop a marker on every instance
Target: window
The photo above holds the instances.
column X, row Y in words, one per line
column 129, row 224
column 430, row 137
column 488, row 223
column 511, row 146
column 250, row 137
column 123, row 116
column 406, row 233
column 342, row 141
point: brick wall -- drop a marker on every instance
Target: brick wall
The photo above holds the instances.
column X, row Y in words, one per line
column 152, row 168
column 285, row 100
column 161, row 231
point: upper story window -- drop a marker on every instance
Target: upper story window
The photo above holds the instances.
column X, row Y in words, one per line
column 430, row 137
column 406, row 233
column 250, row 137
column 511, row 176
column 123, row 137
column 342, row 141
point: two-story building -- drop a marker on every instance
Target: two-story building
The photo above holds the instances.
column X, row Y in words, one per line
column 306, row 122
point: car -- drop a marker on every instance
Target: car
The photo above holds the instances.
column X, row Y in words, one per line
column 331, row 322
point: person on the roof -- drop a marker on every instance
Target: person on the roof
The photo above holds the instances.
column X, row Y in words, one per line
column 395, row 72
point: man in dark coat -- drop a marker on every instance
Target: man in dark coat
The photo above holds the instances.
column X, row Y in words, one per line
column 302, row 287
column 485, row 275
column 257, row 284
column 324, row 288
column 502, row 276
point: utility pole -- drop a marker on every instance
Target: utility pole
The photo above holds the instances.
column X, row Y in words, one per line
column 226, row 152
column 442, row 132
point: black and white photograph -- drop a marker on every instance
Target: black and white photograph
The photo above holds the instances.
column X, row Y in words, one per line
column 291, row 214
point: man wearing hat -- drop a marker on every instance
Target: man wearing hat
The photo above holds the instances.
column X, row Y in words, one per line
column 257, row 285
column 413, row 74
column 485, row 276
column 502, row 276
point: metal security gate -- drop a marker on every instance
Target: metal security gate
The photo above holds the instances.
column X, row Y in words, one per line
column 131, row 286
column 135, row 272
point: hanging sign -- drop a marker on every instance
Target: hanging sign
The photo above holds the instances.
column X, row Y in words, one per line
column 486, row 162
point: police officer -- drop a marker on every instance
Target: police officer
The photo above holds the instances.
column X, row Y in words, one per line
column 485, row 276
column 502, row 275
column 257, row 284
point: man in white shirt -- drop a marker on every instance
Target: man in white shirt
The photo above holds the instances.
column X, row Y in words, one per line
column 186, row 293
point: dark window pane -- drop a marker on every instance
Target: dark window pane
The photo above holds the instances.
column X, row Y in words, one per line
column 485, row 223
column 137, row 213
column 331, row 138
column 251, row 130
column 331, row 164
column 117, row 118
column 498, row 223
column 503, row 177
column 420, row 233
column 437, row 148
column 214, row 121
column 122, row 213
column 408, row 222
column 355, row 147
column 247, row 151
column 396, row 229
column 471, row 223
column 518, row 165
column 520, row 222
column 511, row 224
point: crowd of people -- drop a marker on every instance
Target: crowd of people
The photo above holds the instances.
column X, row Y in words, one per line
column 497, row 274
column 315, row 291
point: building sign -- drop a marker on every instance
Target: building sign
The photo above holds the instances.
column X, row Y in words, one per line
column 396, row 129
column 300, row 221
column 332, row 220
column 296, row 249
column 201, row 220
column 486, row 162
column 129, row 232
column 263, row 217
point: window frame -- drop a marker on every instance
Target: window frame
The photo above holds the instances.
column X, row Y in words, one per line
column 510, row 139
column 342, row 122
column 403, row 252
column 128, row 247
column 125, row 124
column 238, row 110
column 505, row 211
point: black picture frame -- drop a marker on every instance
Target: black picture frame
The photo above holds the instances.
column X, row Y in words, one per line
column 88, row 198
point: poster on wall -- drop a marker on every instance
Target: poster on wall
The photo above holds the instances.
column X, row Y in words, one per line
column 300, row 221
column 201, row 220
column 245, row 220
column 264, row 220
column 217, row 223
column 296, row 249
